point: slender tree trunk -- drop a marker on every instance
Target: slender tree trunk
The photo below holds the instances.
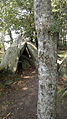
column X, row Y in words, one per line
column 36, row 40
column 10, row 34
column 47, row 68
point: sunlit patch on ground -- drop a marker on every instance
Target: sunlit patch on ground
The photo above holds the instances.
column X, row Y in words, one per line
column 25, row 88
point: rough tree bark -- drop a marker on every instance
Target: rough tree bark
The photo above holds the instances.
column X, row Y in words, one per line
column 47, row 66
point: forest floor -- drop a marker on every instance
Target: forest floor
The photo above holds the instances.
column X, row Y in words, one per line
column 18, row 96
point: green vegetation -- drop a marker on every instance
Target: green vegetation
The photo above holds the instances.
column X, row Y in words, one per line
column 62, row 54
column 63, row 93
column 18, row 16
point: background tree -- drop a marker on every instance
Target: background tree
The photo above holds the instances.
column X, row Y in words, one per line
column 60, row 14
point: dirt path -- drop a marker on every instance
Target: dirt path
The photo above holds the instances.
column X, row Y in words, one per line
column 19, row 97
column 20, row 100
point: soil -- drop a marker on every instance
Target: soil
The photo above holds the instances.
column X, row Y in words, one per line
column 18, row 98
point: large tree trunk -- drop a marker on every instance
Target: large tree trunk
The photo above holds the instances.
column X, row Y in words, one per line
column 47, row 68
